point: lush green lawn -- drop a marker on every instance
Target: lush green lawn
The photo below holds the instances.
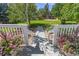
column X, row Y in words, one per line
column 46, row 22
column 71, row 22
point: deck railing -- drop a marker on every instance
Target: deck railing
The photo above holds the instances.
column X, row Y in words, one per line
column 16, row 29
column 64, row 29
column 70, row 32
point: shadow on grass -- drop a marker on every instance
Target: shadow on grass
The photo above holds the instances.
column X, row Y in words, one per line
column 34, row 26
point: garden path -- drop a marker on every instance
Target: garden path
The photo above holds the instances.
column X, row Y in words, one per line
column 35, row 51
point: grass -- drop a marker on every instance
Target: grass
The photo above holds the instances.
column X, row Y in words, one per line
column 46, row 22
column 71, row 22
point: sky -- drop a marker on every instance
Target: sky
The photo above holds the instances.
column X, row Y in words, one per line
column 41, row 5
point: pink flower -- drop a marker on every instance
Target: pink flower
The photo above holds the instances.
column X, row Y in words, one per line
column 1, row 50
column 9, row 36
column 1, row 36
column 12, row 46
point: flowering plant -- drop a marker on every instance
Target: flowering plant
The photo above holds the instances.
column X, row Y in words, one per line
column 9, row 42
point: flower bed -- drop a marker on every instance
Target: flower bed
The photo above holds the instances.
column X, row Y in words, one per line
column 68, row 41
column 66, row 46
column 10, row 42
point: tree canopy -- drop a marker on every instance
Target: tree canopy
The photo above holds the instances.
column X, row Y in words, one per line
column 66, row 12
column 3, row 13
column 21, row 12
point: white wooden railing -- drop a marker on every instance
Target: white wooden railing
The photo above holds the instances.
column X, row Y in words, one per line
column 16, row 27
column 64, row 29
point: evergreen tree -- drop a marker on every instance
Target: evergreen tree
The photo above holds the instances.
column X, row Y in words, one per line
column 3, row 13
column 46, row 9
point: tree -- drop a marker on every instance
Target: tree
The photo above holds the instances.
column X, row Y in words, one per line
column 40, row 14
column 32, row 11
column 66, row 12
column 3, row 13
column 75, row 12
column 56, row 10
column 70, row 12
column 17, row 12
column 46, row 11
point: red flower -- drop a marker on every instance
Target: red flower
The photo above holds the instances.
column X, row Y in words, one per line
column 61, row 41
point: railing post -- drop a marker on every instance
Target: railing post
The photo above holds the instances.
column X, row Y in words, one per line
column 25, row 32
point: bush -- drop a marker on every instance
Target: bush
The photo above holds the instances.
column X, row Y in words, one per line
column 9, row 43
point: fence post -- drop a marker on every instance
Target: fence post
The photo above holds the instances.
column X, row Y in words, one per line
column 25, row 32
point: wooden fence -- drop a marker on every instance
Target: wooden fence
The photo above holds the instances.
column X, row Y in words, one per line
column 64, row 29
column 16, row 29
column 70, row 31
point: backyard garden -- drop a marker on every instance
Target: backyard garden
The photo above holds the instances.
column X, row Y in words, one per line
column 56, row 19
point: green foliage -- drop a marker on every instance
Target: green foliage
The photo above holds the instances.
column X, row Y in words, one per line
column 21, row 12
column 66, row 12
column 45, row 23
column 40, row 14
column 56, row 10
column 16, row 12
column 3, row 13
column 46, row 11
column 32, row 11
